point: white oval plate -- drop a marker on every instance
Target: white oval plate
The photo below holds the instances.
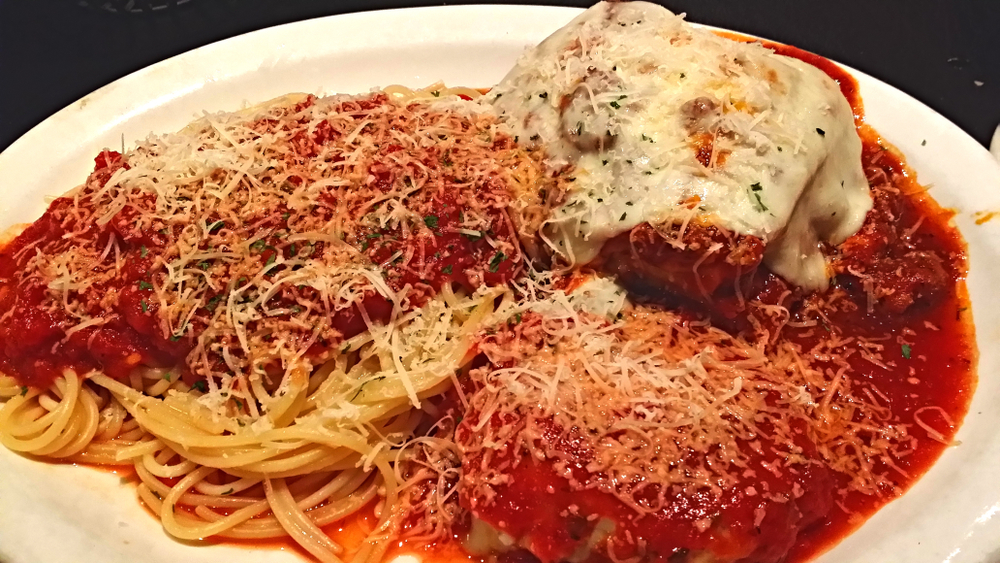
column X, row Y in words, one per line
column 58, row 513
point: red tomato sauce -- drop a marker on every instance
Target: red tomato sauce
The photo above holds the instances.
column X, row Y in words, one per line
column 555, row 521
column 929, row 361
column 934, row 364
column 35, row 349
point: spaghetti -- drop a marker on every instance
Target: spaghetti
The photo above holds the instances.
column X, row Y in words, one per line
column 327, row 453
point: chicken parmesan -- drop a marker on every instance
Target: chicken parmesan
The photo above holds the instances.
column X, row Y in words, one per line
column 658, row 296
column 695, row 157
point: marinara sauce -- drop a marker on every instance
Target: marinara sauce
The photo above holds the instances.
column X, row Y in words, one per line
column 926, row 375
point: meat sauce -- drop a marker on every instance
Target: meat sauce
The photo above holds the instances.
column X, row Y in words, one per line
column 555, row 521
column 35, row 348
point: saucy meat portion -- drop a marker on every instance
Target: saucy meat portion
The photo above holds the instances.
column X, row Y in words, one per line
column 892, row 265
column 691, row 263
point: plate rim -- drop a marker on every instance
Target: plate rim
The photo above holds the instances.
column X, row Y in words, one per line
column 137, row 74
column 24, row 143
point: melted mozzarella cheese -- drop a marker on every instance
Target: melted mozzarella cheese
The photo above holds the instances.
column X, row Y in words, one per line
column 664, row 122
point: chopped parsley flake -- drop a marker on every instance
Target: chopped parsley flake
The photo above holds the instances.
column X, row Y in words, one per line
column 24, row 390
column 755, row 190
column 213, row 303
column 145, row 306
column 200, row 386
column 906, row 349
column 258, row 245
column 447, row 269
column 495, row 262
column 145, row 285
column 143, row 251
column 431, row 221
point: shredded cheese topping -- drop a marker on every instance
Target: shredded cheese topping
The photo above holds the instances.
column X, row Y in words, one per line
column 651, row 403
column 256, row 242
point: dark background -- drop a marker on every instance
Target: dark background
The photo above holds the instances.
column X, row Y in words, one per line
column 944, row 52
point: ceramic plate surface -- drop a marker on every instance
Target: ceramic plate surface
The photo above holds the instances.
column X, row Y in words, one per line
column 63, row 514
